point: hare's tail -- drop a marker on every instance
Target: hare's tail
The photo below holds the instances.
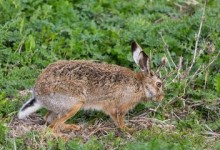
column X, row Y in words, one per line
column 29, row 107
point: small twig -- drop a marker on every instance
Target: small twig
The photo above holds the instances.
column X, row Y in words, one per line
column 153, row 120
column 155, row 110
column 176, row 116
column 180, row 65
column 180, row 6
column 212, row 134
column 196, row 73
column 202, row 68
column 169, row 75
column 171, row 101
column 158, row 20
column 213, row 59
column 208, row 128
column 192, row 77
column 21, row 44
column 206, row 78
column 98, row 126
column 196, row 104
column 167, row 50
column 14, row 144
column 197, row 39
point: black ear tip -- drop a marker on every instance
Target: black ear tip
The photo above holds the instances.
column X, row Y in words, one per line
column 134, row 45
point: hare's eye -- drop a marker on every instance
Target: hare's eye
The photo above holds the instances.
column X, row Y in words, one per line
column 159, row 84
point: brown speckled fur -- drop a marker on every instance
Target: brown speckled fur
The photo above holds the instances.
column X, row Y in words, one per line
column 65, row 87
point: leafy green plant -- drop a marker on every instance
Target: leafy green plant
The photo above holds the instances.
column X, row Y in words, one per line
column 36, row 33
column 217, row 83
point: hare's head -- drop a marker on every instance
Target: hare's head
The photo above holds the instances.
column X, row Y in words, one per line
column 151, row 83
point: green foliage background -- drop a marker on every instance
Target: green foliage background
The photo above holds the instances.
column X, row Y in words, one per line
column 35, row 33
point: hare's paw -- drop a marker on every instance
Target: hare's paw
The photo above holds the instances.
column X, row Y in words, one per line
column 62, row 136
column 70, row 127
column 127, row 129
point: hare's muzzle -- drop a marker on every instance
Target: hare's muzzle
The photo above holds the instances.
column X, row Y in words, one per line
column 159, row 98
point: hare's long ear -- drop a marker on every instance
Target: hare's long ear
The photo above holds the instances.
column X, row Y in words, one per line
column 140, row 58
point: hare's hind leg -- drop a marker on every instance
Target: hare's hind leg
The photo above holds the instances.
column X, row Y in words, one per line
column 59, row 123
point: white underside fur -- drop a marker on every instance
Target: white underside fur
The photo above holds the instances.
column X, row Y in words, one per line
column 24, row 113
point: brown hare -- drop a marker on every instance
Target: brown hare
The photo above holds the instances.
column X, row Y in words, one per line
column 65, row 87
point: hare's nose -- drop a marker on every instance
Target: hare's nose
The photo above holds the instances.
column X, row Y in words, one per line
column 159, row 98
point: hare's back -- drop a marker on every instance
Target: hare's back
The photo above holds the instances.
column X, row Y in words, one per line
column 82, row 70
column 70, row 74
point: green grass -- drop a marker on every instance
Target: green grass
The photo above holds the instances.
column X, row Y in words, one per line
column 36, row 33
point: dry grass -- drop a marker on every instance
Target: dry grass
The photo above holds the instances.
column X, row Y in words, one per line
column 100, row 128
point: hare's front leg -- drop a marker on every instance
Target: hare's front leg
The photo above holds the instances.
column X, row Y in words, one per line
column 118, row 119
column 59, row 123
column 50, row 117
